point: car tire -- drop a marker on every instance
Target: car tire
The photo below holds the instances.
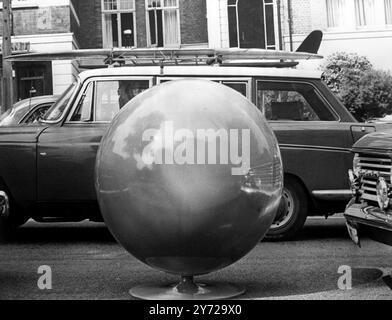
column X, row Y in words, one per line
column 10, row 218
column 291, row 222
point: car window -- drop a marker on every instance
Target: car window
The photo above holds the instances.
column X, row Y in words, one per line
column 240, row 86
column 55, row 112
column 37, row 113
column 112, row 95
column 291, row 102
column 84, row 107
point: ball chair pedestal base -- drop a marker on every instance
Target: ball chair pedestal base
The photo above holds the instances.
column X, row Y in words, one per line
column 187, row 289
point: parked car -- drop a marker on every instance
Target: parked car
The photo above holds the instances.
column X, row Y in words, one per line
column 47, row 170
column 370, row 209
column 27, row 111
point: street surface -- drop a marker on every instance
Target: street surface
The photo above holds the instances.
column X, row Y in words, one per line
column 87, row 263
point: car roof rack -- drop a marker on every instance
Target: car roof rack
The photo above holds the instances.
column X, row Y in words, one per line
column 183, row 56
column 186, row 56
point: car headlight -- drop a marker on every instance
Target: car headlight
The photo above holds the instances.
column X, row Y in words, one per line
column 382, row 193
column 356, row 166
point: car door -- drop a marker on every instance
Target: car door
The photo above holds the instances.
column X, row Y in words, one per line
column 315, row 144
column 66, row 153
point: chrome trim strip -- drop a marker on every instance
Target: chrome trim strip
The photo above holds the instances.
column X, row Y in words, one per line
column 299, row 146
column 375, row 159
column 378, row 213
column 332, row 194
column 366, row 215
column 368, row 196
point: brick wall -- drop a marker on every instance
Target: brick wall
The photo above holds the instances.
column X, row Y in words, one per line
column 141, row 31
column 301, row 15
column 193, row 20
column 90, row 33
column 307, row 15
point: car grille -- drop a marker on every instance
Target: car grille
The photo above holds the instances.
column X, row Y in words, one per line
column 371, row 167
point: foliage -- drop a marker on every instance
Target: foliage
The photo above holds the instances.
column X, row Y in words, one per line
column 365, row 91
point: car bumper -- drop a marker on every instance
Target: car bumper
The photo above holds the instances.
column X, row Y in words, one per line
column 376, row 223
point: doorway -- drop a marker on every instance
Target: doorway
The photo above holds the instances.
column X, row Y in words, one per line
column 33, row 79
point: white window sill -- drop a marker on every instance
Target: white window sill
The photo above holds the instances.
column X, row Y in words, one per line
column 359, row 29
column 36, row 4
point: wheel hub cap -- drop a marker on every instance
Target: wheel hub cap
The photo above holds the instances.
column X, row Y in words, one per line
column 285, row 217
column 4, row 205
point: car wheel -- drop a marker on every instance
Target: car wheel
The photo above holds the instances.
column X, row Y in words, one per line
column 10, row 218
column 291, row 220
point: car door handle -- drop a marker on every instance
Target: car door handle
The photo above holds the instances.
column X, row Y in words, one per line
column 43, row 154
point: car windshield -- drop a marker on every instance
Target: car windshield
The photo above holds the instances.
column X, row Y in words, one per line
column 54, row 113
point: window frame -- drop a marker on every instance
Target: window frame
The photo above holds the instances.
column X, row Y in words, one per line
column 365, row 26
column 93, row 108
column 338, row 27
column 272, row 4
column 275, row 46
column 350, row 20
column 79, row 99
column 118, row 12
column 385, row 14
column 235, row 6
column 316, row 90
column 163, row 8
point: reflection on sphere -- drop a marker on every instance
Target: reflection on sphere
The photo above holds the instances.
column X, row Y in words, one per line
column 174, row 197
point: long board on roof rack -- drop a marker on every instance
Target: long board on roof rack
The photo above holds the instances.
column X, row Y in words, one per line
column 187, row 56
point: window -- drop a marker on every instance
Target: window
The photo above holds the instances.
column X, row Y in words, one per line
column 57, row 110
column 83, row 110
column 232, row 11
column 163, row 25
column 238, row 85
column 335, row 13
column 111, row 96
column 37, row 114
column 119, row 25
column 388, row 11
column 251, row 24
column 291, row 102
column 365, row 12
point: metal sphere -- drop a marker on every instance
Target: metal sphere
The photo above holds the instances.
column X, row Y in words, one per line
column 179, row 202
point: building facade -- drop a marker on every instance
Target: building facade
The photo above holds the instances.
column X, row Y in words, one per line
column 358, row 26
column 45, row 26
column 62, row 25
column 244, row 23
